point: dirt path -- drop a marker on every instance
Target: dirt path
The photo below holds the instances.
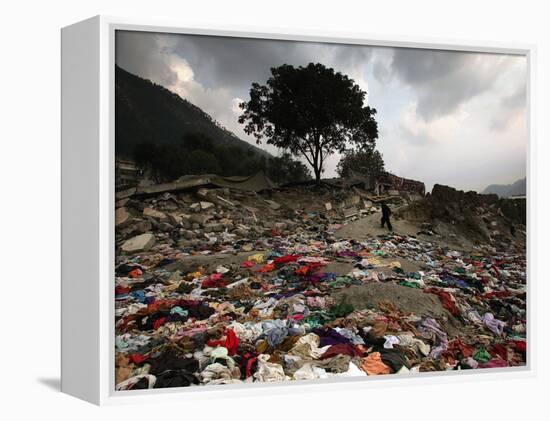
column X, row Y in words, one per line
column 370, row 225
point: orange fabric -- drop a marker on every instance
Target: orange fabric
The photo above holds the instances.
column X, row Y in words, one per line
column 266, row 268
column 373, row 365
column 379, row 329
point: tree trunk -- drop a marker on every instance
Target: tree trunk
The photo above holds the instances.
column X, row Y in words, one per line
column 317, row 165
column 317, row 172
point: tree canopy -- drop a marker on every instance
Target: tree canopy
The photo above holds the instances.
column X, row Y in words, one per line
column 363, row 161
column 310, row 111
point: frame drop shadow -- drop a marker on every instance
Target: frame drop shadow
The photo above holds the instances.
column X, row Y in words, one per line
column 53, row 383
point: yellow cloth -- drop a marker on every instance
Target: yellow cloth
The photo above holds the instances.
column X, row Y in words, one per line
column 257, row 258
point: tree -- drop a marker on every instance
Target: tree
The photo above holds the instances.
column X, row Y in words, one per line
column 197, row 140
column 367, row 162
column 283, row 169
column 311, row 111
column 201, row 162
column 147, row 156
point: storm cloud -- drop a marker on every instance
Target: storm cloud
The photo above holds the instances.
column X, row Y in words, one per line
column 444, row 80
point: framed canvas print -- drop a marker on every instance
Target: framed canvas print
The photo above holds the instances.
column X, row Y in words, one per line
column 250, row 212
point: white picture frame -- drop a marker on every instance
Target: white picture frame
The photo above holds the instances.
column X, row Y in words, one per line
column 88, row 53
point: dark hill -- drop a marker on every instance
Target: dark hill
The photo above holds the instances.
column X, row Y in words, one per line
column 146, row 112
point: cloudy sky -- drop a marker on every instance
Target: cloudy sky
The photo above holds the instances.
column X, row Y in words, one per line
column 444, row 117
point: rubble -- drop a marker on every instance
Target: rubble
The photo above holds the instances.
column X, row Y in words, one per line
column 154, row 213
column 206, row 205
column 138, row 243
column 122, row 217
column 297, row 284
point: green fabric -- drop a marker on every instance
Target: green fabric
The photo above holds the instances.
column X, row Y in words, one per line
column 482, row 356
column 318, row 319
column 340, row 281
column 409, row 284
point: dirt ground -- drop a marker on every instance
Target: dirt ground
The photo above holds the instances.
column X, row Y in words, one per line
column 370, row 225
column 408, row 300
column 211, row 261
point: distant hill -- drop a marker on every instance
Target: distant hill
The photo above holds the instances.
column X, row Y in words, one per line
column 146, row 112
column 505, row 190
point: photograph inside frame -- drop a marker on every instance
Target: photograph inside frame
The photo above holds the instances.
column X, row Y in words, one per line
column 289, row 210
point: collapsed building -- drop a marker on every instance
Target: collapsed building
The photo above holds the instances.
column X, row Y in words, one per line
column 127, row 174
column 387, row 182
column 382, row 184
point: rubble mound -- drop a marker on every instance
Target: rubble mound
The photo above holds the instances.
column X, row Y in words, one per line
column 475, row 218
column 408, row 300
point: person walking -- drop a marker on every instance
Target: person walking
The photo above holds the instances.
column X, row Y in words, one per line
column 386, row 212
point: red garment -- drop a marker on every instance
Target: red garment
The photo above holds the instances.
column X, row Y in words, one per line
column 231, row 342
column 159, row 322
column 136, row 273
column 213, row 281
column 249, row 366
column 448, row 357
column 122, row 290
column 289, row 258
column 497, row 294
column 308, row 269
column 494, row 363
column 485, row 280
column 247, row 264
column 499, row 350
column 519, row 346
column 138, row 358
column 446, row 300
column 456, row 345
column 346, row 349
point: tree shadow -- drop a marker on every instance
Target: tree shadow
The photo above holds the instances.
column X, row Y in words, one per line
column 53, row 383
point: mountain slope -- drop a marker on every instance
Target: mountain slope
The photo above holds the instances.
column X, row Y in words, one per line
column 146, row 112
column 519, row 187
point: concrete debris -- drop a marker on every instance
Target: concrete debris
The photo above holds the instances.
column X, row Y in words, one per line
column 124, row 194
column 122, row 217
column 225, row 202
column 172, row 187
column 273, row 205
column 138, row 243
column 351, row 212
column 206, row 205
column 122, row 202
column 152, row 213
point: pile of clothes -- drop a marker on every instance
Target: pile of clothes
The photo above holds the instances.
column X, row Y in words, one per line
column 271, row 313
